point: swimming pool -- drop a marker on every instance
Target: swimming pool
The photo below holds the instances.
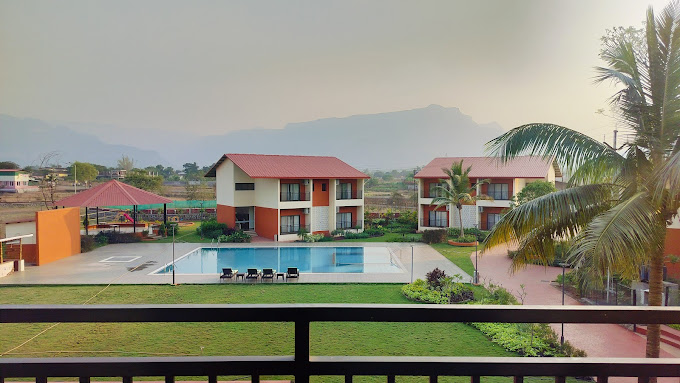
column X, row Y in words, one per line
column 210, row 260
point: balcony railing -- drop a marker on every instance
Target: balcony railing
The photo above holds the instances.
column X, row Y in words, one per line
column 288, row 196
column 349, row 194
column 425, row 222
column 293, row 229
column 302, row 365
column 348, row 225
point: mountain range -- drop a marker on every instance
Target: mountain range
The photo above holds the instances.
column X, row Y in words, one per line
column 393, row 140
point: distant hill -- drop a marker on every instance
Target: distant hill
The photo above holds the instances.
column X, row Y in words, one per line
column 390, row 140
column 387, row 140
column 24, row 140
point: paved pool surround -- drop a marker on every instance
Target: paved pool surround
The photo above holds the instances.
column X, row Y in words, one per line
column 132, row 263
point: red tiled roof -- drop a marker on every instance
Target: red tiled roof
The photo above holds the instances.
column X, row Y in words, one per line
column 280, row 166
column 489, row 167
column 112, row 193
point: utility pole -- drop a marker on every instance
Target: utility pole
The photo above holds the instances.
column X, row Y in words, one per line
column 615, row 132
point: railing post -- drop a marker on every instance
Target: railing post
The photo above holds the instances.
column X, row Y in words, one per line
column 127, row 379
column 40, row 379
column 169, row 379
column 348, row 379
column 602, row 379
column 473, row 379
column 560, row 379
column 255, row 379
column 515, row 379
column 301, row 351
column 212, row 379
column 391, row 379
column 84, row 379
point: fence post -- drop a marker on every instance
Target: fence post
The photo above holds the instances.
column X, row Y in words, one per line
column 301, row 351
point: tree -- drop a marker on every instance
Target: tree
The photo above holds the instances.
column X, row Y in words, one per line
column 532, row 191
column 9, row 165
column 126, row 163
column 618, row 205
column 48, row 183
column 396, row 199
column 82, row 171
column 458, row 191
column 141, row 179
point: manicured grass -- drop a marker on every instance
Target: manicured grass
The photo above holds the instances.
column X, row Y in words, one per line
column 185, row 234
column 460, row 256
column 165, row 339
column 388, row 237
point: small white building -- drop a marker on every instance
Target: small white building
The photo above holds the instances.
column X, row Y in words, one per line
column 15, row 181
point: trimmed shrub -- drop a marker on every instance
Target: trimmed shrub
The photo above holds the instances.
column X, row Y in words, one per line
column 481, row 235
column 235, row 237
column 418, row 291
column 434, row 236
column 213, row 229
column 465, row 239
column 116, row 237
column 350, row 235
column 375, row 232
column 435, row 278
column 86, row 243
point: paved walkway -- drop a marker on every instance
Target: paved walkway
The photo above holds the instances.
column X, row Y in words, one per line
column 105, row 265
column 598, row 340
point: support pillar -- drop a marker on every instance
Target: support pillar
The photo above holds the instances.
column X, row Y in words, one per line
column 97, row 215
column 87, row 222
column 165, row 213
column 134, row 218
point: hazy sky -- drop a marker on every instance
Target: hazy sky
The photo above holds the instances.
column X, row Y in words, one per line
column 213, row 66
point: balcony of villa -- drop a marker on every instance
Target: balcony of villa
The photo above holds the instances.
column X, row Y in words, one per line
column 349, row 198
column 294, row 200
column 301, row 335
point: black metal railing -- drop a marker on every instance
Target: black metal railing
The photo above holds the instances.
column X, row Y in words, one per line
column 297, row 196
column 302, row 365
column 348, row 194
column 293, row 229
column 425, row 222
column 348, row 224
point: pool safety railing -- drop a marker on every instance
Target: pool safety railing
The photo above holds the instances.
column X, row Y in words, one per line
column 302, row 365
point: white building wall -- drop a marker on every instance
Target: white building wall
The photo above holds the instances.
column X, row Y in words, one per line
column 224, row 185
column 469, row 213
column 267, row 192
column 321, row 218
column 242, row 197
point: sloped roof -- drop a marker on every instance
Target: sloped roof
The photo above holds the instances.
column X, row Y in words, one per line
column 490, row 167
column 112, row 193
column 282, row 166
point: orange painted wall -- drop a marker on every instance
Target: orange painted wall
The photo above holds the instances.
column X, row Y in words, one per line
column 426, row 213
column 57, row 234
column 226, row 214
column 672, row 247
column 300, row 212
column 266, row 222
column 319, row 197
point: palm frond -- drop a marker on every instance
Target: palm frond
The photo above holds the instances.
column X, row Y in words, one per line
column 603, row 169
column 569, row 148
column 619, row 239
column 556, row 215
column 668, row 180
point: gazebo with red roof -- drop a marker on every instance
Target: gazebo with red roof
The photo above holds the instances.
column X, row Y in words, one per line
column 114, row 193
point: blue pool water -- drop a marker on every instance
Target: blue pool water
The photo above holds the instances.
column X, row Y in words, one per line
column 208, row 260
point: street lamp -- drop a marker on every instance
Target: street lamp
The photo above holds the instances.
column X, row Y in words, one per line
column 564, row 265
column 475, row 278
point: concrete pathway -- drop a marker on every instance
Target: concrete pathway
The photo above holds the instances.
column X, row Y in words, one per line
column 133, row 263
column 598, row 340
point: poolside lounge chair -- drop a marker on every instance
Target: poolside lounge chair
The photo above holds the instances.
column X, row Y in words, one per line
column 268, row 274
column 253, row 274
column 227, row 272
column 292, row 272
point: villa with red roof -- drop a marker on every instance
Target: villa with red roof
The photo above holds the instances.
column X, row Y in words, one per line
column 276, row 195
column 505, row 180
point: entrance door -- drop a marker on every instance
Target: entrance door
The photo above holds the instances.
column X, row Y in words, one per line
column 243, row 218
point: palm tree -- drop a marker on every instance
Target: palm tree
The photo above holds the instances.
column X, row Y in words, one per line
column 458, row 191
column 620, row 200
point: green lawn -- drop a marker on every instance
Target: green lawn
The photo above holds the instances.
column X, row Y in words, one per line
column 388, row 237
column 460, row 256
column 146, row 339
column 186, row 234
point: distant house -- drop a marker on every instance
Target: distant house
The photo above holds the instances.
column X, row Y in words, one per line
column 15, row 181
column 505, row 180
column 275, row 195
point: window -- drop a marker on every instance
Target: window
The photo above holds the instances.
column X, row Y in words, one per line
column 435, row 191
column 290, row 224
column 345, row 191
column 498, row 191
column 245, row 186
column 491, row 220
column 290, row 192
column 438, row 219
column 323, row 187
column 344, row 220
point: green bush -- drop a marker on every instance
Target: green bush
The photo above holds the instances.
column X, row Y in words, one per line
column 456, row 291
column 86, row 243
column 326, row 238
column 418, row 291
column 481, row 235
column 434, row 236
column 337, row 232
column 116, row 237
column 408, row 218
column 235, row 237
column 466, row 239
column 404, row 239
column 213, row 229
column 167, row 228
column 350, row 235
column 374, row 232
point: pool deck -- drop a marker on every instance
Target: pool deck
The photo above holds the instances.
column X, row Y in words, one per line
column 96, row 267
